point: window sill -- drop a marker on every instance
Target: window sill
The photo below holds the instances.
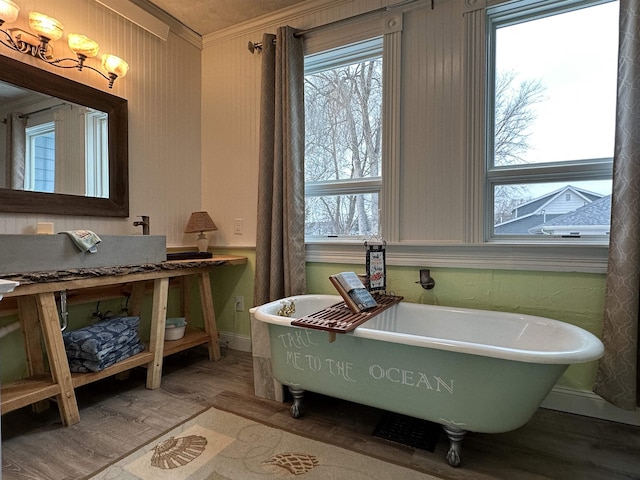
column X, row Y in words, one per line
column 589, row 258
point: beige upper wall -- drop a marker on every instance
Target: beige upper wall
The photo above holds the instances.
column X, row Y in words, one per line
column 163, row 90
column 194, row 119
column 433, row 158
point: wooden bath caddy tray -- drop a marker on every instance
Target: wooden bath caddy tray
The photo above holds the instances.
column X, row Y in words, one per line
column 339, row 318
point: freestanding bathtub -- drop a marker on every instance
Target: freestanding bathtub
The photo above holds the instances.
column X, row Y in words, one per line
column 469, row 370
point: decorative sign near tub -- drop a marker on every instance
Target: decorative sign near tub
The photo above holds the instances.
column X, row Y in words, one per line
column 376, row 266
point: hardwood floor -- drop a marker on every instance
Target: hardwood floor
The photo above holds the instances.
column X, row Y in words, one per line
column 118, row 416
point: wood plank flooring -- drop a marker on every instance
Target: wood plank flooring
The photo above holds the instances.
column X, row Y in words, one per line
column 119, row 416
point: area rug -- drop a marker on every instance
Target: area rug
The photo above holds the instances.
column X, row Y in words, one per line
column 217, row 445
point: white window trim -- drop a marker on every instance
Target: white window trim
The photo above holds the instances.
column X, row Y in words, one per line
column 547, row 258
column 29, row 168
column 586, row 169
column 96, row 154
column 475, row 253
column 390, row 27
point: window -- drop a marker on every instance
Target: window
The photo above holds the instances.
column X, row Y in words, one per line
column 40, row 161
column 343, row 140
column 552, row 119
column 96, row 154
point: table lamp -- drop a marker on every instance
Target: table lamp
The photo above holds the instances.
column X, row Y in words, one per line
column 201, row 222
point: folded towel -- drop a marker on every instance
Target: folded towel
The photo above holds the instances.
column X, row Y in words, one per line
column 103, row 335
column 104, row 353
column 85, row 240
column 78, row 365
column 176, row 322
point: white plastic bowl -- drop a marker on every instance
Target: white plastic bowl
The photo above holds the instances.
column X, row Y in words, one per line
column 174, row 333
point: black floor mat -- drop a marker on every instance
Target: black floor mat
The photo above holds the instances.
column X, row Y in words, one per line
column 409, row 431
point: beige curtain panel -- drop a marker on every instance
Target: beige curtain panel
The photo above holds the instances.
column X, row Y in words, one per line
column 16, row 151
column 280, row 253
column 618, row 375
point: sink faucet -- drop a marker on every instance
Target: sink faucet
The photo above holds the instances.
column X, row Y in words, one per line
column 144, row 223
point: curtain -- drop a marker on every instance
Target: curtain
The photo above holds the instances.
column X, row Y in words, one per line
column 618, row 376
column 280, row 260
column 16, row 151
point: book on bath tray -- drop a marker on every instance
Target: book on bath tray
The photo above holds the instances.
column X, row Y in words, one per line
column 355, row 295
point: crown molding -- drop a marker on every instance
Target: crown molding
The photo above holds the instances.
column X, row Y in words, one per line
column 272, row 20
column 172, row 24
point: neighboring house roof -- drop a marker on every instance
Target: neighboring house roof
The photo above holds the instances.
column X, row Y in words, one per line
column 522, row 225
column 544, row 202
column 594, row 218
column 534, row 216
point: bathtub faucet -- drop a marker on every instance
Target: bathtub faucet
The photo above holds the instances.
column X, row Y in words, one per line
column 287, row 308
column 426, row 280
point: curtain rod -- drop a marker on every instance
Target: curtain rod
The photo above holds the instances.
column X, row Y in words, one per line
column 26, row 115
column 253, row 46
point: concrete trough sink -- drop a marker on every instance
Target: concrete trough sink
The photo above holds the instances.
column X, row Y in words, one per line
column 37, row 253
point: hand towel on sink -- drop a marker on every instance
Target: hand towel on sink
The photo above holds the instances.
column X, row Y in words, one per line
column 85, row 240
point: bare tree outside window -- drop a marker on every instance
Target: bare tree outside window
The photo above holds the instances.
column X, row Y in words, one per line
column 343, row 128
column 514, row 116
column 553, row 106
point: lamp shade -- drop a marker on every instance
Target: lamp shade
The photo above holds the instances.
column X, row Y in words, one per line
column 82, row 45
column 45, row 26
column 8, row 11
column 115, row 65
column 200, row 222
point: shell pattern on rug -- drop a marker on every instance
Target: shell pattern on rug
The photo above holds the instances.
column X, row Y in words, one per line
column 177, row 452
column 296, row 463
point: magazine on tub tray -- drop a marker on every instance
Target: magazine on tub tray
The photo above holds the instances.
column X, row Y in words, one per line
column 354, row 293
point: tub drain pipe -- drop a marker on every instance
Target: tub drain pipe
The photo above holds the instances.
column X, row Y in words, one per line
column 64, row 314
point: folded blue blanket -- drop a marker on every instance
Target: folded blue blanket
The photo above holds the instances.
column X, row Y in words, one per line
column 102, row 336
column 79, row 365
column 104, row 352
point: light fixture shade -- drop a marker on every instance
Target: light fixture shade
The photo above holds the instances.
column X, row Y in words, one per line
column 8, row 11
column 200, row 222
column 115, row 65
column 82, row 45
column 45, row 26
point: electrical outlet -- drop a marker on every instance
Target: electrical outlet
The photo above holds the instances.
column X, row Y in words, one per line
column 237, row 226
column 239, row 303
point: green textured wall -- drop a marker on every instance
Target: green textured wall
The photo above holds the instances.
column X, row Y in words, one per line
column 575, row 298
column 229, row 282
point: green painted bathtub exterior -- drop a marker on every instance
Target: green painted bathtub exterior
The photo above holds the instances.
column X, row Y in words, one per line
column 471, row 392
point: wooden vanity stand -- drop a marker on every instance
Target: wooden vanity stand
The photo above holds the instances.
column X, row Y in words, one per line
column 40, row 323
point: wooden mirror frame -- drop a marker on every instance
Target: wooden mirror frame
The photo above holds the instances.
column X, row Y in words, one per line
column 117, row 205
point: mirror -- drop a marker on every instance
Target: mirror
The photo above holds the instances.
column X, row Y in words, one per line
column 57, row 91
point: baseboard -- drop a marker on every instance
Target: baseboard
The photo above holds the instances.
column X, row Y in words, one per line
column 235, row 342
column 588, row 404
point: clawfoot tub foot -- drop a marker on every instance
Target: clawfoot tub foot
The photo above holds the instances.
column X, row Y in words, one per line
column 456, row 435
column 296, row 408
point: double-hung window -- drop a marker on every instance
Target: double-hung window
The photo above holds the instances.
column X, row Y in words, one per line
column 343, row 140
column 551, row 120
column 352, row 112
column 40, row 158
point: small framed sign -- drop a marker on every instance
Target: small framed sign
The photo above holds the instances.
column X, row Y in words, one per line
column 376, row 266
